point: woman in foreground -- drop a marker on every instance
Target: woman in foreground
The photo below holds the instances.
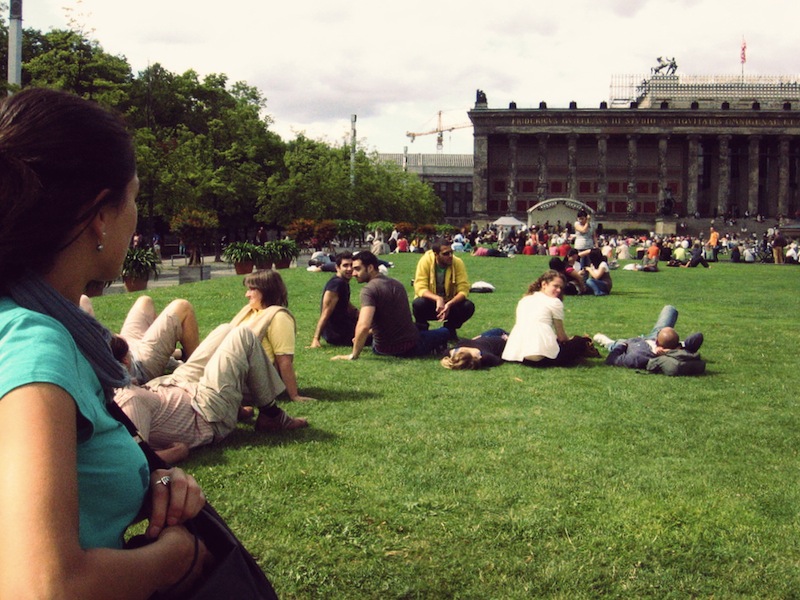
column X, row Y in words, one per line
column 538, row 337
column 73, row 478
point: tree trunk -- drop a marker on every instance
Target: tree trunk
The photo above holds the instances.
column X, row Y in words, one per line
column 195, row 256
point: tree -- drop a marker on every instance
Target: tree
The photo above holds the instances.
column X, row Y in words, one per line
column 195, row 227
column 67, row 60
column 315, row 183
column 202, row 145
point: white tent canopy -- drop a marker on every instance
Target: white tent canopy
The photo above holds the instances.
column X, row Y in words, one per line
column 508, row 221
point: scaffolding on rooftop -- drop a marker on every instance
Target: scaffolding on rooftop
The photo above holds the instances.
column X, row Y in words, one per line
column 680, row 90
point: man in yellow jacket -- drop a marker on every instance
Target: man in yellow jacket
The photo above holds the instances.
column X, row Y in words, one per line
column 441, row 288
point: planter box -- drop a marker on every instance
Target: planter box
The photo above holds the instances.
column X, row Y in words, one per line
column 190, row 274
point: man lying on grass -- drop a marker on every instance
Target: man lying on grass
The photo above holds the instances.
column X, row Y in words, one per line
column 200, row 402
column 636, row 352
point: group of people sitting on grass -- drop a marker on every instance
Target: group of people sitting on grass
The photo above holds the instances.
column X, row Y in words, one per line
column 186, row 393
column 539, row 338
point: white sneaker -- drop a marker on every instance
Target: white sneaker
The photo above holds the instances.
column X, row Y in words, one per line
column 603, row 340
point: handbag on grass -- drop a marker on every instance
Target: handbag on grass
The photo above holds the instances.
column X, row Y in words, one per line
column 235, row 575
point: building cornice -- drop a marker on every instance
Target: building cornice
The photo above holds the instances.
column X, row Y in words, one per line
column 643, row 121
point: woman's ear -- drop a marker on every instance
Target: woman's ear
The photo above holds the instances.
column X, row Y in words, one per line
column 99, row 221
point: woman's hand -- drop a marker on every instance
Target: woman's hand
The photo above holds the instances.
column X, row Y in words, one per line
column 198, row 558
column 175, row 497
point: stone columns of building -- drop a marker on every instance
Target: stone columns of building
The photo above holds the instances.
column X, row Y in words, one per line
column 511, row 185
column 753, row 158
column 480, row 175
column 662, row 170
column 541, row 191
column 602, row 173
column 572, row 165
column 724, row 185
column 783, row 176
column 633, row 165
column 693, row 175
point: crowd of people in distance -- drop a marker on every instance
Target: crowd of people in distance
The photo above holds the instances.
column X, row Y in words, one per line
column 650, row 251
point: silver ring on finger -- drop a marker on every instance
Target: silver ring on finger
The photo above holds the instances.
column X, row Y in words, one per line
column 165, row 480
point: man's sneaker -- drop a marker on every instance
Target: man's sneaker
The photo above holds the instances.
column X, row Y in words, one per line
column 693, row 342
column 280, row 422
column 603, row 340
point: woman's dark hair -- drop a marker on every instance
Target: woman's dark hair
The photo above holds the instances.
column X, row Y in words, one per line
column 119, row 347
column 545, row 277
column 270, row 284
column 57, row 153
column 596, row 257
column 556, row 264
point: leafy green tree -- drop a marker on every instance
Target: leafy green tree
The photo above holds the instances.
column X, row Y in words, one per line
column 196, row 227
column 349, row 231
column 315, row 183
column 69, row 61
column 312, row 184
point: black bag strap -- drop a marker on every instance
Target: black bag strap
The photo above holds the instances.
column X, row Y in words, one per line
column 154, row 461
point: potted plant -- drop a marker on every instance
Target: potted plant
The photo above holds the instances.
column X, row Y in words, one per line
column 282, row 252
column 139, row 264
column 263, row 257
column 242, row 255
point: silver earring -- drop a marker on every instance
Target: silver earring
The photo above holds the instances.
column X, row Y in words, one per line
column 99, row 247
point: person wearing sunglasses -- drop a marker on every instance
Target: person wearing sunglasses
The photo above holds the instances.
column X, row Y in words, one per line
column 441, row 287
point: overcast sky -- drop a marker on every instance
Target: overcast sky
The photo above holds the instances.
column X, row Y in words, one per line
column 397, row 64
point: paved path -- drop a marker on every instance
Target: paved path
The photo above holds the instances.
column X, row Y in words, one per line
column 169, row 273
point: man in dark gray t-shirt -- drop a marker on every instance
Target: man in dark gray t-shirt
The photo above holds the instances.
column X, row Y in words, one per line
column 386, row 313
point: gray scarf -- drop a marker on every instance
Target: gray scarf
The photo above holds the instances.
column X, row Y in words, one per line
column 92, row 339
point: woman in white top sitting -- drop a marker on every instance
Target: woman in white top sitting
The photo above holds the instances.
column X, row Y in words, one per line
column 538, row 337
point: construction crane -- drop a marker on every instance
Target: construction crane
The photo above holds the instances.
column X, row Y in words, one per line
column 439, row 131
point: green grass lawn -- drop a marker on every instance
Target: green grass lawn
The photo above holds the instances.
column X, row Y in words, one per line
column 418, row 482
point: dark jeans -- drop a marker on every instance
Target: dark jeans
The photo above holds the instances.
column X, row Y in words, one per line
column 698, row 260
column 430, row 341
column 571, row 352
column 425, row 310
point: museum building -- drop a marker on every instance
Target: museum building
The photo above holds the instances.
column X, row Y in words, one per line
column 664, row 146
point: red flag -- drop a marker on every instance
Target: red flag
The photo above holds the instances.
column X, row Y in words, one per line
column 744, row 51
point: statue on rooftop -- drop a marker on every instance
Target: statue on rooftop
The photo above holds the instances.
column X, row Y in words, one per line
column 667, row 65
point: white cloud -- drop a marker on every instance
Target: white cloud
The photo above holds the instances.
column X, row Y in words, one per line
column 396, row 65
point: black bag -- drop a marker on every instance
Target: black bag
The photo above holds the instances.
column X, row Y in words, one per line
column 235, row 574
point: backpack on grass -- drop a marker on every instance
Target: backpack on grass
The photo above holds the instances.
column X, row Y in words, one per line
column 677, row 362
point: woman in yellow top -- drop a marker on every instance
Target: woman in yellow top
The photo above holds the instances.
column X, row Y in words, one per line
column 267, row 315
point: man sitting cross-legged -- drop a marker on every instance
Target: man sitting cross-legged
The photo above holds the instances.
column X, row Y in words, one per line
column 199, row 403
column 386, row 314
column 635, row 352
